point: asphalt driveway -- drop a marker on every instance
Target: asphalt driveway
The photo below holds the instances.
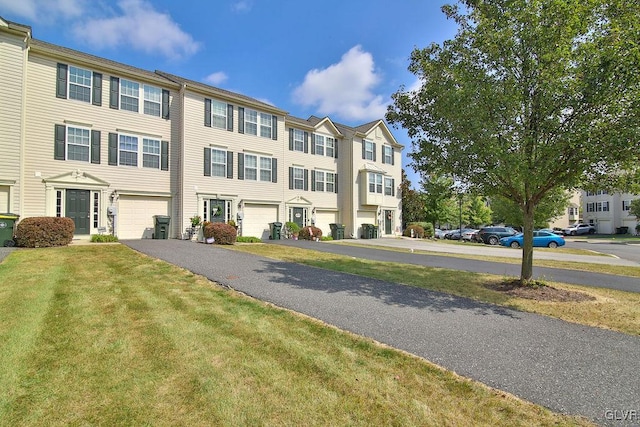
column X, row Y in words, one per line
column 569, row 368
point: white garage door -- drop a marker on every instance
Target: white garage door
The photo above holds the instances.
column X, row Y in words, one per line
column 365, row 217
column 605, row 227
column 257, row 219
column 323, row 219
column 135, row 215
column 4, row 199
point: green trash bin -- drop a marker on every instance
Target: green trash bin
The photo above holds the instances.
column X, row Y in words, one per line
column 7, row 229
column 337, row 231
column 367, row 231
column 161, row 226
column 374, row 231
column 276, row 230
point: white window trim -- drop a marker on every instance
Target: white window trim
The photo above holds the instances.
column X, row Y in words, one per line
column 377, row 183
column 368, row 150
column 387, row 154
column 298, row 138
column 140, row 150
column 69, row 83
column 214, row 163
column 299, row 179
column 67, row 143
column 140, row 96
column 222, row 117
column 319, row 142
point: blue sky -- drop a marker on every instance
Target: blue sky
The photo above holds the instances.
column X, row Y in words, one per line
column 336, row 58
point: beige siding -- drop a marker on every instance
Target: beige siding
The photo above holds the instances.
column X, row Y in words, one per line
column 45, row 110
column 11, row 107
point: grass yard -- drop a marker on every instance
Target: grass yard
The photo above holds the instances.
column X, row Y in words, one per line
column 101, row 335
column 603, row 307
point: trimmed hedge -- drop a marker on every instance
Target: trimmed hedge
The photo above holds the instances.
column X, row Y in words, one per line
column 223, row 234
column 44, row 232
column 310, row 233
column 418, row 231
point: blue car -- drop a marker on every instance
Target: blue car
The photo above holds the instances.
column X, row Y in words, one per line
column 541, row 239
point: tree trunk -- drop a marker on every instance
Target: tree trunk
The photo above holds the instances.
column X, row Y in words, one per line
column 526, row 272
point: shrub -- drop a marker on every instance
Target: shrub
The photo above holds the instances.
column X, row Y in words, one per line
column 326, row 238
column 292, row 227
column 44, row 232
column 223, row 234
column 418, row 231
column 248, row 239
column 207, row 229
column 103, row 238
column 310, row 233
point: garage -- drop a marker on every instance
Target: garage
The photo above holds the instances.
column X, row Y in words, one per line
column 4, row 198
column 365, row 217
column 323, row 219
column 605, row 227
column 135, row 215
column 257, row 218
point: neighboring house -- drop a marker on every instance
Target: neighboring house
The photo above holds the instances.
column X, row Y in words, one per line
column 572, row 213
column 609, row 212
column 110, row 146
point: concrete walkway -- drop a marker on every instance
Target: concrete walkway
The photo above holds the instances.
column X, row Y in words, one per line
column 568, row 368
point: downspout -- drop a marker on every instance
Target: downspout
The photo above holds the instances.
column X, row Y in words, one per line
column 23, row 116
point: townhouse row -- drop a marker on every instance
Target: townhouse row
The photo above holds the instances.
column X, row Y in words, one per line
column 111, row 146
column 609, row 212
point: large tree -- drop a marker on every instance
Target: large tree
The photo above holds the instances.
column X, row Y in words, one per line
column 437, row 197
column 530, row 96
column 552, row 206
column 412, row 202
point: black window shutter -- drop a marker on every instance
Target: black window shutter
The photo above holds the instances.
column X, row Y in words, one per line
column 313, row 180
column 97, row 89
column 306, row 142
column 240, row 119
column 383, row 148
column 335, row 183
column 164, row 156
column 335, row 148
column 207, row 112
column 230, row 164
column 374, row 151
column 114, row 93
column 61, row 81
column 274, row 127
column 165, row 104
column 364, row 150
column 290, row 178
column 312, row 138
column 207, row 161
column 274, row 170
column 240, row 165
column 290, row 139
column 392, row 156
column 229, row 117
column 306, row 180
column 393, row 187
column 60, row 142
column 95, row 146
column 113, row 149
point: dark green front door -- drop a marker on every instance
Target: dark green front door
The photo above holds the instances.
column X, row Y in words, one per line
column 218, row 210
column 77, row 206
column 388, row 215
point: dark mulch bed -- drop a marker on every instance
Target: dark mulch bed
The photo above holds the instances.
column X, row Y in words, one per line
column 538, row 291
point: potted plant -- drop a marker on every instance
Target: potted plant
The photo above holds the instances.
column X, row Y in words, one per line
column 293, row 229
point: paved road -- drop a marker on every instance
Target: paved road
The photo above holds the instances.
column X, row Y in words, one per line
column 569, row 368
column 629, row 284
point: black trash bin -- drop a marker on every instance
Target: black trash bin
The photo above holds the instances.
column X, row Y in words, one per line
column 622, row 230
column 276, row 230
column 161, row 226
column 337, row 231
column 374, row 231
column 367, row 231
column 7, row 229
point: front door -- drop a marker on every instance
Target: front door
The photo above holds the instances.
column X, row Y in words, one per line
column 77, row 204
column 298, row 216
column 218, row 210
column 388, row 216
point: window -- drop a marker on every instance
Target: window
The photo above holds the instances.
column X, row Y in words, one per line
column 265, row 125
column 602, row 207
column 58, row 203
column 250, row 122
column 129, row 95
column 375, row 183
column 573, row 211
column 128, row 150
column 250, row 167
column 601, row 192
column 319, row 142
column 78, row 144
column 298, row 178
column 330, row 147
column 388, row 186
column 79, row 84
column 591, row 207
column 387, row 154
column 590, row 193
column 152, row 100
column 298, row 140
column 265, row 169
column 218, row 162
column 218, row 114
column 626, row 205
column 96, row 209
column 151, row 153
column 331, row 182
column 320, row 180
column 368, row 151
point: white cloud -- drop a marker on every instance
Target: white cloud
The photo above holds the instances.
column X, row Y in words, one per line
column 241, row 6
column 216, row 78
column 345, row 89
column 42, row 10
column 141, row 27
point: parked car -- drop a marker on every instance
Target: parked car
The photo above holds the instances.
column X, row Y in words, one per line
column 492, row 235
column 541, row 239
column 452, row 235
column 439, row 234
column 469, row 235
column 578, row 229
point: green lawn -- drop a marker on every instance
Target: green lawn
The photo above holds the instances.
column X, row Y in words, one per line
column 101, row 335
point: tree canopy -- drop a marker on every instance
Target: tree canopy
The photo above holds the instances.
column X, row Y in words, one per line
column 530, row 96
